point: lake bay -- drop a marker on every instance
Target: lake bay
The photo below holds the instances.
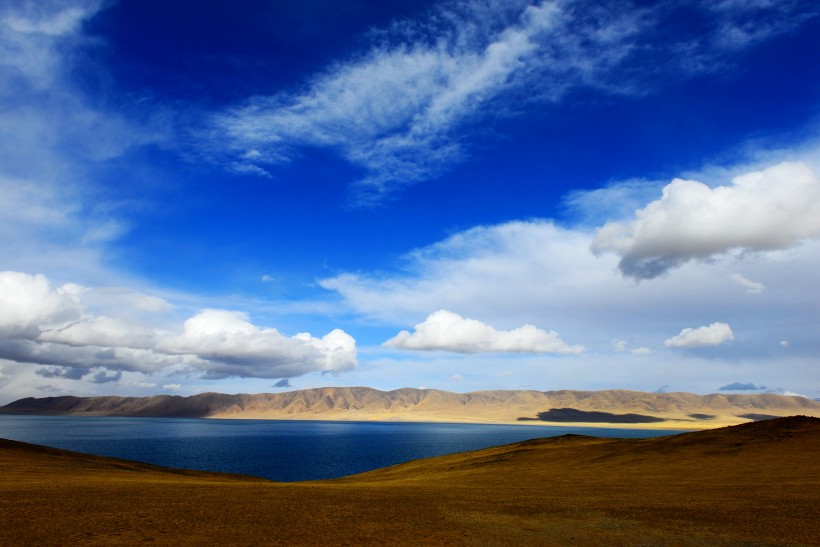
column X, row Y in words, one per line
column 276, row 449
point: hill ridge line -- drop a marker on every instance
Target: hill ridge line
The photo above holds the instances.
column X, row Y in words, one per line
column 617, row 407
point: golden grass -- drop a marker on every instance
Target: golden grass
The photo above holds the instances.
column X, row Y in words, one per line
column 754, row 484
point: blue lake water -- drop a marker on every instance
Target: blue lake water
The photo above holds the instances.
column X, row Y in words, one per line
column 275, row 449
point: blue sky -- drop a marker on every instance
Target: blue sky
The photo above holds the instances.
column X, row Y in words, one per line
column 470, row 195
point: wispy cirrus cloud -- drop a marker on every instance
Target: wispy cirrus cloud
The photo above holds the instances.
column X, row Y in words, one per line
column 752, row 287
column 53, row 134
column 401, row 110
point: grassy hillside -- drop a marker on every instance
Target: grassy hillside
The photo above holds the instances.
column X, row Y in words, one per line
column 753, row 484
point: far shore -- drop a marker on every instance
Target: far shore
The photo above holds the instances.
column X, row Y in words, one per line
column 619, row 409
column 671, row 424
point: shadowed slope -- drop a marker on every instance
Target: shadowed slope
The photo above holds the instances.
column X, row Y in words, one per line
column 753, row 484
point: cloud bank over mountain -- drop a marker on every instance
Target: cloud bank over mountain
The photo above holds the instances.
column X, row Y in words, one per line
column 48, row 325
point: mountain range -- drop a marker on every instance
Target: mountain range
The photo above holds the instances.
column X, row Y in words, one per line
column 565, row 407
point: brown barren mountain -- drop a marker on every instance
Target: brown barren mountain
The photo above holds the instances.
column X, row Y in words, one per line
column 751, row 484
column 617, row 408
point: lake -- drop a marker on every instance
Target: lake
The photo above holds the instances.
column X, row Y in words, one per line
column 276, row 449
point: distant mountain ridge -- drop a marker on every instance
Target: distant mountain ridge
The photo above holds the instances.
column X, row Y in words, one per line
column 627, row 408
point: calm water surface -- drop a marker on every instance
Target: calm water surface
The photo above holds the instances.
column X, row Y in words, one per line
column 275, row 449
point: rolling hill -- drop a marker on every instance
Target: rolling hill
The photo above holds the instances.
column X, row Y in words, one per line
column 752, row 484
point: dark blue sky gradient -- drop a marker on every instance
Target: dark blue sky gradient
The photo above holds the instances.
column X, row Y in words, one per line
column 214, row 55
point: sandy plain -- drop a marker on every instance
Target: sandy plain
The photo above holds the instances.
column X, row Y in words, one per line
column 752, row 484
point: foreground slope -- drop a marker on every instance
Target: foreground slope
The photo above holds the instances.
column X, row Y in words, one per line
column 753, row 484
column 612, row 407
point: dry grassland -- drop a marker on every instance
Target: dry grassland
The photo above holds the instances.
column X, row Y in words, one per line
column 753, row 484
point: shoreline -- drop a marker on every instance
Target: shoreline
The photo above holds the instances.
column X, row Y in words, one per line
column 676, row 425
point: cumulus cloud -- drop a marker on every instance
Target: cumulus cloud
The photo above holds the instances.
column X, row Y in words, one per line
column 49, row 325
column 398, row 108
column 538, row 273
column 105, row 376
column 284, row 382
column 61, row 372
column 30, row 303
column 448, row 331
column 771, row 209
column 708, row 335
column 740, row 386
column 232, row 346
column 101, row 331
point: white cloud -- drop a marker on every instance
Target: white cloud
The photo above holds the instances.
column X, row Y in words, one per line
column 448, row 331
column 398, row 102
column 620, row 346
column 539, row 273
column 29, row 303
column 788, row 393
column 172, row 387
column 51, row 326
column 30, row 32
column 52, row 136
column 738, row 23
column 233, row 346
column 708, row 335
column 101, row 331
column 397, row 108
column 771, row 209
column 113, row 298
column 507, row 270
column 784, row 343
column 752, row 287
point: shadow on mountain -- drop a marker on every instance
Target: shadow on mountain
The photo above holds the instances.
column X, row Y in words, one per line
column 573, row 415
column 757, row 417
